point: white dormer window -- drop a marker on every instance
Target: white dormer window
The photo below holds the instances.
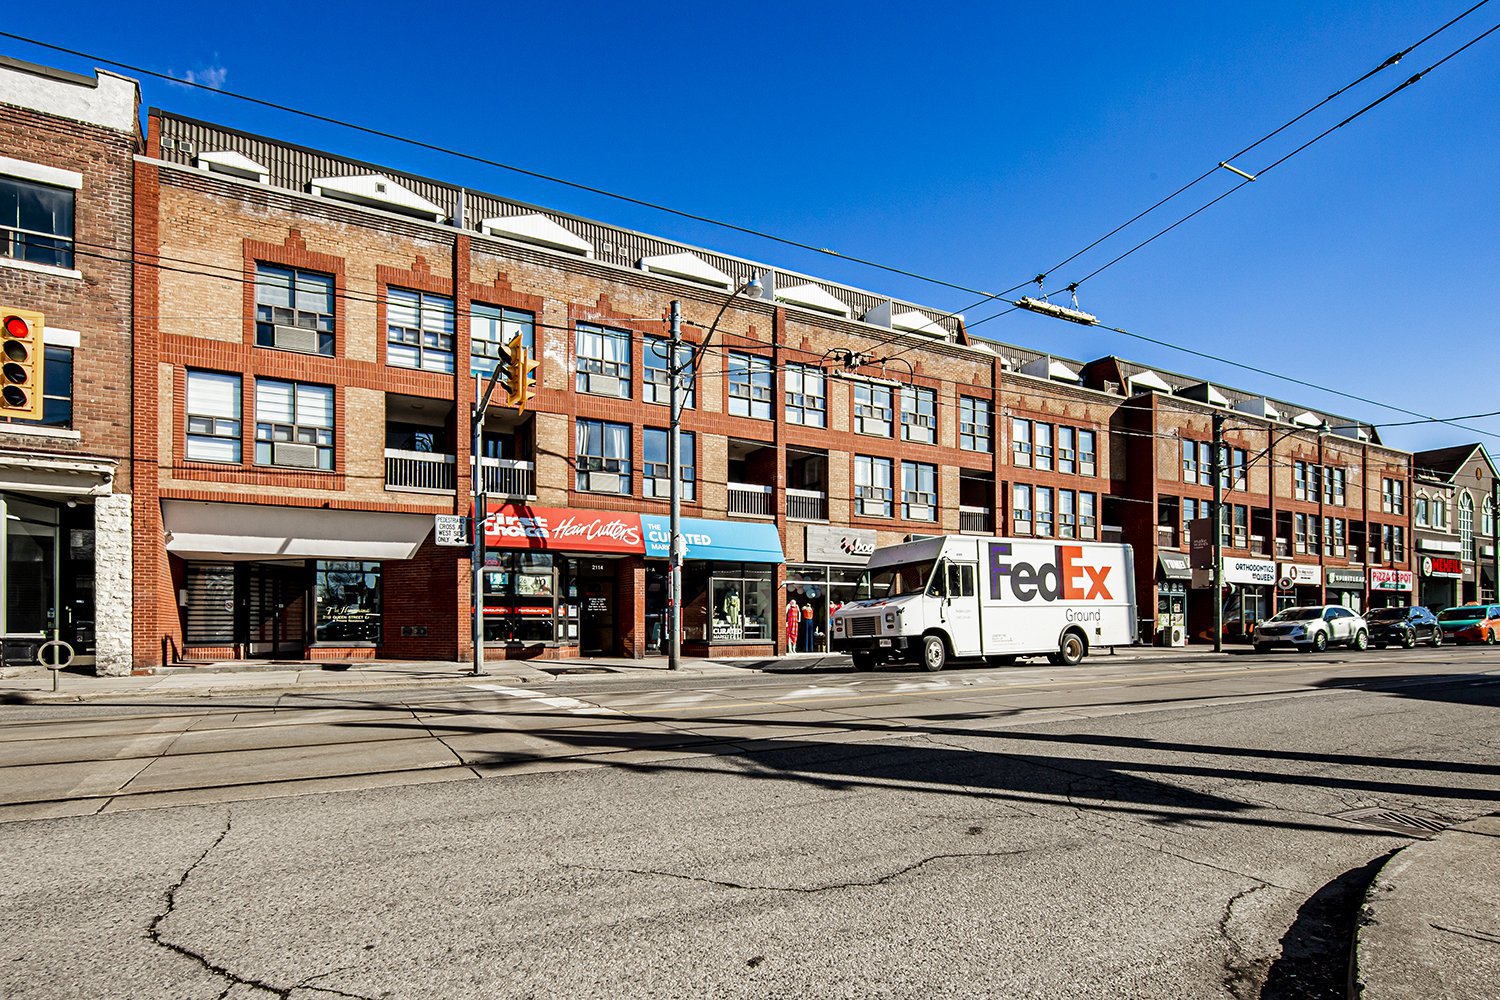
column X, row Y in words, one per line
column 688, row 266
column 813, row 296
column 376, row 191
column 232, row 164
column 538, row 230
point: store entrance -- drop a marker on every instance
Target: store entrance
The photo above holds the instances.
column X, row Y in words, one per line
column 596, row 608
column 274, row 609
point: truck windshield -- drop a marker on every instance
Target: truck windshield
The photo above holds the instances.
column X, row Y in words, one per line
column 893, row 581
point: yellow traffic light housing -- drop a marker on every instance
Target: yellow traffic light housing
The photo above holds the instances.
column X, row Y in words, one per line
column 21, row 366
column 519, row 367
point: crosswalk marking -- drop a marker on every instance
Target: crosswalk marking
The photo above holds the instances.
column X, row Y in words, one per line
column 572, row 705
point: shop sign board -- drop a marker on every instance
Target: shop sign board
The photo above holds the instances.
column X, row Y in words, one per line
column 450, row 529
column 1299, row 575
column 1345, row 579
column 1390, row 579
column 729, row 541
column 1256, row 572
column 839, row 546
column 1443, row 566
column 555, row 529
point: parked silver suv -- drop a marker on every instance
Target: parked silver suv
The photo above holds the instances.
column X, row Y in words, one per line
column 1313, row 628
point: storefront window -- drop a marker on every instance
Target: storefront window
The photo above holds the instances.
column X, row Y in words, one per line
column 520, row 603
column 740, row 604
column 30, row 566
column 348, row 608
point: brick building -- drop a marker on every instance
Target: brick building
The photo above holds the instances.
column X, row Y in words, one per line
column 1455, row 525
column 66, row 480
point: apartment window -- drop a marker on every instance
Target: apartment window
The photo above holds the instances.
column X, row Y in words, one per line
column 1314, row 539
column 1335, row 485
column 1392, row 544
column 1233, row 473
column 1088, row 525
column 1488, row 529
column 1190, row 513
column 1205, row 463
column 1067, row 514
column 1044, row 511
column 1334, row 536
column 1299, row 533
column 213, row 417
column 1240, row 526
column 1421, row 514
column 1189, row 461
column 1067, row 450
column 656, row 381
column 919, row 415
column 1393, row 496
column 919, row 491
column 603, row 456
column 1020, row 438
column 749, row 386
column 491, row 329
column 1440, row 512
column 1021, row 506
column 293, row 424
column 1044, row 446
column 873, row 412
column 656, row 471
column 36, row 222
column 293, row 309
column 873, row 493
column 603, row 361
column 419, row 330
column 1299, row 480
column 975, row 420
column 806, row 396
column 1087, row 462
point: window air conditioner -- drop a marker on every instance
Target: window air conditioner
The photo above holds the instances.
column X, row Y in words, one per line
column 301, row 456
column 604, row 385
column 604, row 482
column 295, row 338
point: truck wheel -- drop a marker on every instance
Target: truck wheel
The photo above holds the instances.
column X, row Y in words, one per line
column 1071, row 651
column 864, row 661
column 934, row 653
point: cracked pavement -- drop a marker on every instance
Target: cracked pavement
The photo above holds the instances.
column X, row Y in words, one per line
column 1117, row 835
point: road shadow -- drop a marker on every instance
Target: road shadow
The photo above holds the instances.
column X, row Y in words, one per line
column 1459, row 689
column 1317, row 950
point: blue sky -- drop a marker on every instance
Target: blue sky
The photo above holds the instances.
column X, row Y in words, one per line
column 978, row 143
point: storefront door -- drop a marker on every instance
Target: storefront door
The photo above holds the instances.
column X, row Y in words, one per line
column 273, row 609
column 596, row 609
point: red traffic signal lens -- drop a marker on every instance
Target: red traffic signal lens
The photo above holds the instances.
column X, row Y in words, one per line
column 15, row 396
column 17, row 327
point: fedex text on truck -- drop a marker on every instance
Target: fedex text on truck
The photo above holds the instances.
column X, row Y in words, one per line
column 1069, row 576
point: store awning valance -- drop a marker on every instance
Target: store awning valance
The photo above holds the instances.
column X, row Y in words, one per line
column 1174, row 566
column 200, row 530
column 726, row 541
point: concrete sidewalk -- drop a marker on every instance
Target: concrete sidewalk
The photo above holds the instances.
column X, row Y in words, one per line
column 1430, row 926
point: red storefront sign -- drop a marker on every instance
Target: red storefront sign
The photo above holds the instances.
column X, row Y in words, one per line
column 1442, row 566
column 555, row 529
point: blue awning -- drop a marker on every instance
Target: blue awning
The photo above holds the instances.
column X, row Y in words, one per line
column 729, row 541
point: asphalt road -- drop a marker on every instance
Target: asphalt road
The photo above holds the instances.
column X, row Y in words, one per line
column 1137, row 828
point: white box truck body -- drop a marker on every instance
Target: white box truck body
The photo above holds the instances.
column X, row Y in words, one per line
column 961, row 596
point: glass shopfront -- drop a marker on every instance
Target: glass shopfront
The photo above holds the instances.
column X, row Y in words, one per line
column 823, row 589
column 520, row 598
column 739, row 608
column 48, row 573
column 347, row 608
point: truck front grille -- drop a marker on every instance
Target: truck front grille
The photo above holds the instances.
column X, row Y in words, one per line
column 864, row 626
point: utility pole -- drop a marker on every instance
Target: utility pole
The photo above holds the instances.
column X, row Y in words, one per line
column 674, row 517
column 476, row 524
column 1218, row 530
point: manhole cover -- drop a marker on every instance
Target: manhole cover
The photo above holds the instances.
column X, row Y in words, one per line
column 1389, row 819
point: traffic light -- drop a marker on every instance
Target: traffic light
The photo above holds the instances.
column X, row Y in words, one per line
column 518, row 368
column 21, row 363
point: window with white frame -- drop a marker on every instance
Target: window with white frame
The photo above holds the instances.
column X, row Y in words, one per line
column 57, row 389
column 1205, row 463
column 1020, row 438
column 975, row 424
column 1191, row 511
column 919, row 491
column 1043, row 457
column 1044, row 511
column 36, row 222
column 873, row 410
column 750, row 386
column 1440, row 512
column 1488, row 527
column 656, row 380
column 919, row 414
column 1232, row 475
column 656, row 465
column 1334, row 532
column 1087, row 456
column 806, row 395
column 293, row 424
column 603, row 457
column 213, row 417
column 1189, row 461
column 1020, row 502
column 1067, row 515
column 1067, row 450
column 1299, row 480
column 1335, row 485
column 491, row 329
column 1393, row 496
column 1088, row 524
column 293, row 309
column 1422, row 512
column 1466, row 526
column 419, row 330
column 874, row 495
column 603, row 357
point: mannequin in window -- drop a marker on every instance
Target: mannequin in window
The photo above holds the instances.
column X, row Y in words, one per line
column 732, row 607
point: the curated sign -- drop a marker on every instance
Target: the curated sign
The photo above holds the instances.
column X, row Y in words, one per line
column 1339, row 578
column 1443, row 566
column 561, row 530
column 839, row 546
column 1300, row 575
column 450, row 529
column 729, row 541
column 1390, row 579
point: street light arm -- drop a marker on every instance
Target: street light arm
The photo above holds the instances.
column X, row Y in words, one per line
column 751, row 284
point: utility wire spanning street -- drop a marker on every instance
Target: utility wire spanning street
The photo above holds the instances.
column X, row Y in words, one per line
column 1179, row 827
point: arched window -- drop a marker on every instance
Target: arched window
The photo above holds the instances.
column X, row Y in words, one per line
column 1422, row 515
column 1466, row 524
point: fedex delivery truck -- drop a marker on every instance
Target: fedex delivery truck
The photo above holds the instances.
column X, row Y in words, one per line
column 958, row 596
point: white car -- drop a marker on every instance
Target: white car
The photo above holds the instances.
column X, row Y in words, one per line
column 1313, row 628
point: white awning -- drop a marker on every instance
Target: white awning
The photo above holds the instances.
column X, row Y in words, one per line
column 200, row 530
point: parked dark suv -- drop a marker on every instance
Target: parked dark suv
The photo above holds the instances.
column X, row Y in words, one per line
column 1403, row 627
